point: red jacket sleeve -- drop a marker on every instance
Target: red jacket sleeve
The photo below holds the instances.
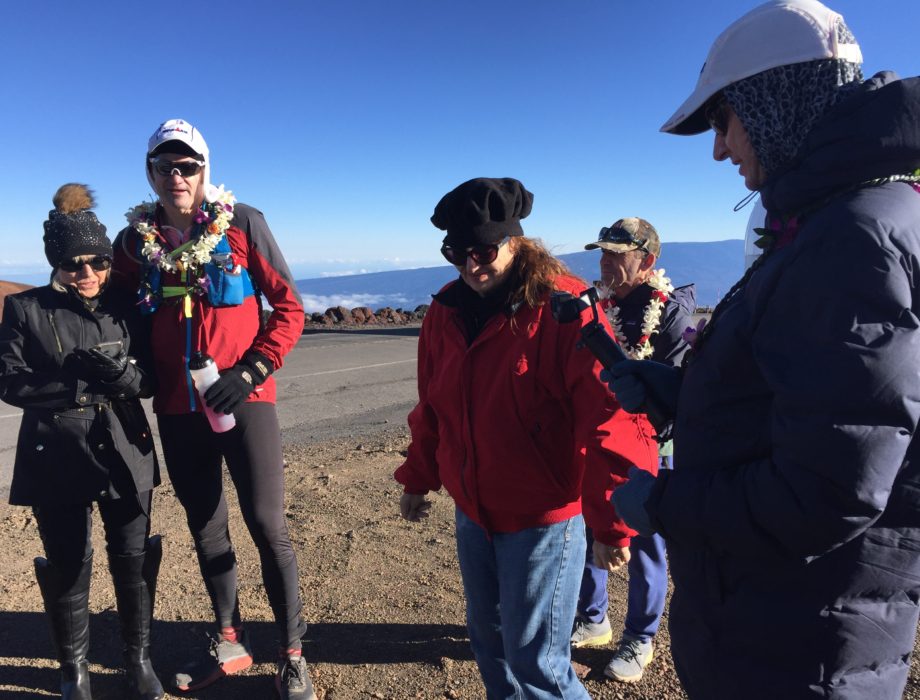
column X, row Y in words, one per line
column 419, row 473
column 270, row 272
column 614, row 441
column 126, row 265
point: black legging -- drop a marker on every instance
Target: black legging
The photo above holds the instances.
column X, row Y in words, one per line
column 66, row 529
column 252, row 451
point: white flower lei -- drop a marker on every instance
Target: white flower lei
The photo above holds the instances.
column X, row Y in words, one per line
column 215, row 216
column 651, row 318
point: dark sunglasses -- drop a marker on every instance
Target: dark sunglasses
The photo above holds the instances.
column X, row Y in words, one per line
column 182, row 168
column 717, row 114
column 621, row 235
column 481, row 254
column 99, row 264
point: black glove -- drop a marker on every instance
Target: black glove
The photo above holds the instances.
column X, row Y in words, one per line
column 630, row 498
column 236, row 383
column 113, row 374
column 98, row 366
column 636, row 383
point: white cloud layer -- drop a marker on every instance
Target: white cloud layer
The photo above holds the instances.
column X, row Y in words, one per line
column 315, row 303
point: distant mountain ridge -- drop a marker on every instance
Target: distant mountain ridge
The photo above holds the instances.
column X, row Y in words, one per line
column 713, row 266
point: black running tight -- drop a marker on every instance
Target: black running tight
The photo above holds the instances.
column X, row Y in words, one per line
column 252, row 451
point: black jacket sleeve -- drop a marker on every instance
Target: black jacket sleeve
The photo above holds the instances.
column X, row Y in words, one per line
column 19, row 384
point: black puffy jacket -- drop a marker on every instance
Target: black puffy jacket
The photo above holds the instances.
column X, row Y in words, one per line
column 793, row 517
column 79, row 440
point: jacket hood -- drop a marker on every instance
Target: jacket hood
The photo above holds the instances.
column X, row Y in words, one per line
column 685, row 297
column 871, row 134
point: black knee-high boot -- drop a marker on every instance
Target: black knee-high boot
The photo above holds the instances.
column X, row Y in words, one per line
column 66, row 598
column 135, row 579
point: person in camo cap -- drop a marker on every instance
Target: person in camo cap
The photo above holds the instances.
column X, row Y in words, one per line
column 648, row 317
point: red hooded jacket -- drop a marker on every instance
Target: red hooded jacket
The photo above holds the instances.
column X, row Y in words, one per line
column 516, row 423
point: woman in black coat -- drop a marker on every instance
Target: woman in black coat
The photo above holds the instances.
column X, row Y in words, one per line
column 67, row 358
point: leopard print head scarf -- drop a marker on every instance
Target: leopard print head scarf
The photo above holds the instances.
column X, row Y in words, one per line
column 779, row 106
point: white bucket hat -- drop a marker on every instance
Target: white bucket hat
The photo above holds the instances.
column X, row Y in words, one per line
column 777, row 33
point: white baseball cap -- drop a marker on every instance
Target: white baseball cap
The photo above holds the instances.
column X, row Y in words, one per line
column 187, row 139
column 777, row 33
column 181, row 131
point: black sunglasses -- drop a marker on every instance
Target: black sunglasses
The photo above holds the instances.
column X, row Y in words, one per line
column 182, row 168
column 717, row 114
column 481, row 254
column 99, row 263
column 621, row 235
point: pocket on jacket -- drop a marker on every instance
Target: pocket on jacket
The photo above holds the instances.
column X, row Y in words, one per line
column 51, row 452
column 226, row 287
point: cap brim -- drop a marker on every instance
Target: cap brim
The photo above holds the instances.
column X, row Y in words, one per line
column 175, row 146
column 690, row 117
column 613, row 247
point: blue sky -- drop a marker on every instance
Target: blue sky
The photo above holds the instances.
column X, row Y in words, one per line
column 345, row 122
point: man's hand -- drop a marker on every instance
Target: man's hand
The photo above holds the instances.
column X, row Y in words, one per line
column 413, row 507
column 230, row 391
column 235, row 384
column 608, row 557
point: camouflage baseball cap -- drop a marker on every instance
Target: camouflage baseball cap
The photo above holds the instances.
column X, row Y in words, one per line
column 631, row 233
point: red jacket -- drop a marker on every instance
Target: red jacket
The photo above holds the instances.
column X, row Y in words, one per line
column 513, row 424
column 224, row 333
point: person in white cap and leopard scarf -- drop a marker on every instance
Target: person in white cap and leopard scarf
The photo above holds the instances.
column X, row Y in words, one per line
column 791, row 521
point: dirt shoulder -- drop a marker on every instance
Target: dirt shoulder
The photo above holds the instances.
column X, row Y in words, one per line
column 383, row 597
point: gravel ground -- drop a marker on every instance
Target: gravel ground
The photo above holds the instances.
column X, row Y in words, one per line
column 383, row 597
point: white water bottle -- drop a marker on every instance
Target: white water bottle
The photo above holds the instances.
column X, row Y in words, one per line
column 204, row 373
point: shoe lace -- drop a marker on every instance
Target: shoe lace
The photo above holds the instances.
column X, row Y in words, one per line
column 293, row 670
column 214, row 642
column 630, row 650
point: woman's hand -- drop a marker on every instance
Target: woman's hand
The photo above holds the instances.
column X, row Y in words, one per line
column 413, row 507
column 608, row 557
column 99, row 366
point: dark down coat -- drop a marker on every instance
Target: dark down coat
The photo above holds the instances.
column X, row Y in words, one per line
column 793, row 517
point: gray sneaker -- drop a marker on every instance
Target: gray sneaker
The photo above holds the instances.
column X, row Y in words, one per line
column 224, row 658
column 630, row 659
column 591, row 634
column 293, row 679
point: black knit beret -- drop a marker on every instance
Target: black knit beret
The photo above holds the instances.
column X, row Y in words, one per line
column 72, row 229
column 482, row 211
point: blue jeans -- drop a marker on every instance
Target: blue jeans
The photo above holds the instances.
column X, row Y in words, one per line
column 647, row 587
column 521, row 590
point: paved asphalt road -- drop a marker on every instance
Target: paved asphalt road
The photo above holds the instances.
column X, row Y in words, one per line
column 334, row 383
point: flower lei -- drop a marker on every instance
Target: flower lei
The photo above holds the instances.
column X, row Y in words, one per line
column 651, row 318
column 213, row 218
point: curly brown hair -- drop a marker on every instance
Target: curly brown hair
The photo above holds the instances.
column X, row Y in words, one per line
column 536, row 270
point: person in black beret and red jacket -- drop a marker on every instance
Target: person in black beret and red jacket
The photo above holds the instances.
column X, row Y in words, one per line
column 74, row 357
column 512, row 418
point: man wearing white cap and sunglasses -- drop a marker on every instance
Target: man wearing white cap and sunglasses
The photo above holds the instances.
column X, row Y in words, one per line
column 200, row 264
column 791, row 521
